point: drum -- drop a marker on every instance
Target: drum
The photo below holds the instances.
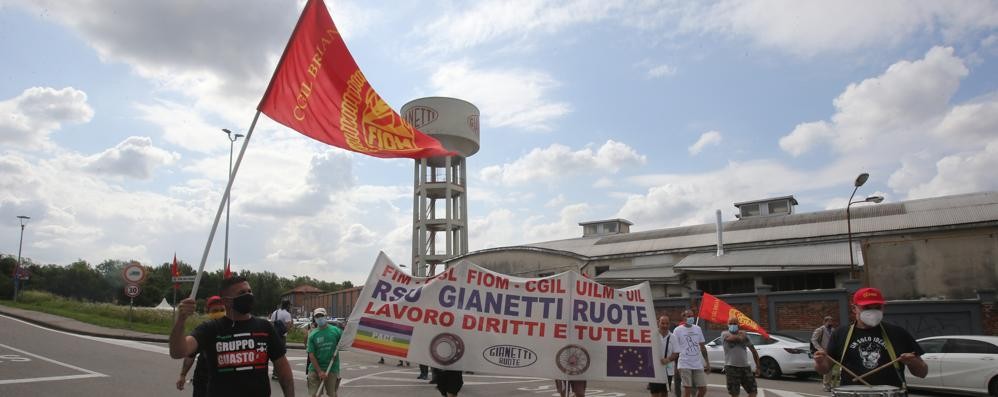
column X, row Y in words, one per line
column 867, row 391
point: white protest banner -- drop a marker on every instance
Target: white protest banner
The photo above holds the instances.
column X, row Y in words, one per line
column 472, row 319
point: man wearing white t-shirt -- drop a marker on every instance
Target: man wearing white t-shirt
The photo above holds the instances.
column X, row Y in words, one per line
column 691, row 352
column 665, row 338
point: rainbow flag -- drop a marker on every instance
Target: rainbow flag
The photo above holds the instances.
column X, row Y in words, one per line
column 383, row 337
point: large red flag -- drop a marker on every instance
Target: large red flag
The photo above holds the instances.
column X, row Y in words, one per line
column 175, row 271
column 717, row 311
column 319, row 91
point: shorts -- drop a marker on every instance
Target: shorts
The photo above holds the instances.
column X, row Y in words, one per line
column 313, row 383
column 739, row 376
column 449, row 382
column 656, row 388
column 693, row 377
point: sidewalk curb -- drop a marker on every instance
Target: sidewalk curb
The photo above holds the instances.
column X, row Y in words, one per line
column 4, row 310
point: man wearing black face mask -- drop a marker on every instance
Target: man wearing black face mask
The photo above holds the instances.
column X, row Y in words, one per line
column 868, row 344
column 236, row 347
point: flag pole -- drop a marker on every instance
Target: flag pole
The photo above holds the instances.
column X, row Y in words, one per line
column 221, row 206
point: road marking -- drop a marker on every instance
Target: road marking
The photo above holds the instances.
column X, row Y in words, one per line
column 409, row 382
column 86, row 372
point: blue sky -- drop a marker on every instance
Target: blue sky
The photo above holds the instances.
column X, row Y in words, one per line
column 655, row 111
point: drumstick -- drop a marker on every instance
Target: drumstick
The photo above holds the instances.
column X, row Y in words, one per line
column 855, row 377
column 875, row 370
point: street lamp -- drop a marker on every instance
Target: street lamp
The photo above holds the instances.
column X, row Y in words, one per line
column 232, row 140
column 860, row 180
column 17, row 266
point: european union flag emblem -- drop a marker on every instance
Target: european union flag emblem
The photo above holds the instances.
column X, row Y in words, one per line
column 630, row 361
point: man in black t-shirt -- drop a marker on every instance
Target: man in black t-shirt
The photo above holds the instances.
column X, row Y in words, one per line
column 868, row 344
column 236, row 348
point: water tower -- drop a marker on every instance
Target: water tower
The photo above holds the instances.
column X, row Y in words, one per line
column 440, row 194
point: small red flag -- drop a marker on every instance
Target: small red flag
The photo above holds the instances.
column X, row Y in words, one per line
column 318, row 90
column 175, row 270
column 718, row 311
column 228, row 270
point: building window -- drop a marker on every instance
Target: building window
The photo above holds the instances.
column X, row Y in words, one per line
column 750, row 210
column 589, row 230
column 601, row 269
column 727, row 286
column 610, row 227
column 799, row 282
column 779, row 207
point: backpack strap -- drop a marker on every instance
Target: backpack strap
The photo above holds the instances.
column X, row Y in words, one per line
column 890, row 351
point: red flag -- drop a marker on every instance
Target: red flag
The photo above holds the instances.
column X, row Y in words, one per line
column 319, row 91
column 717, row 311
column 228, row 270
column 175, row 271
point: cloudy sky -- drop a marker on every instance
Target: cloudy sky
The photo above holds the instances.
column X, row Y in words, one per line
column 655, row 111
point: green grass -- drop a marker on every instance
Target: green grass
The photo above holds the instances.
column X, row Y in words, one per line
column 112, row 316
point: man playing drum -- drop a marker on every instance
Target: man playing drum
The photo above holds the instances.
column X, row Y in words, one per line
column 874, row 350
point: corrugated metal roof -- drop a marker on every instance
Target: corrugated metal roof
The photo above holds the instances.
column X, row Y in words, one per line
column 922, row 213
column 799, row 257
column 662, row 273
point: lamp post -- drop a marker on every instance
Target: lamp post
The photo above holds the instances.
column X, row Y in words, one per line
column 232, row 140
column 860, row 180
column 17, row 266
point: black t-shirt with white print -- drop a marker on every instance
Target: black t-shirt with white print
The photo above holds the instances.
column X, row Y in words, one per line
column 236, row 355
column 867, row 350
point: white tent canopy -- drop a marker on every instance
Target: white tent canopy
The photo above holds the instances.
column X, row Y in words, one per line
column 163, row 305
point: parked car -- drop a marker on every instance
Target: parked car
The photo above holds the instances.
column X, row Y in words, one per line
column 302, row 322
column 959, row 363
column 779, row 355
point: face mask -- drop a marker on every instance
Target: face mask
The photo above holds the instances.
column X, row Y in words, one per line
column 732, row 328
column 321, row 321
column 243, row 304
column 871, row 317
column 689, row 321
column 216, row 315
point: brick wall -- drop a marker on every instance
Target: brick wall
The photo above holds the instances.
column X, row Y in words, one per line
column 989, row 318
column 675, row 314
column 805, row 316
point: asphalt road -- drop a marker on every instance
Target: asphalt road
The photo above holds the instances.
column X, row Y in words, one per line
column 35, row 361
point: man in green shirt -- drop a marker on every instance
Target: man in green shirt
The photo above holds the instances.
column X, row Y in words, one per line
column 321, row 347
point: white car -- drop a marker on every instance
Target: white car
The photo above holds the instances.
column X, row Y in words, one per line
column 959, row 363
column 779, row 355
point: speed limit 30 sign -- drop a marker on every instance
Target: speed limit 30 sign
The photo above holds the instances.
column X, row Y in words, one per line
column 132, row 290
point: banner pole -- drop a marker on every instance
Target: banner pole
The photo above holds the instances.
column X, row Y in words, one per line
column 322, row 383
column 221, row 206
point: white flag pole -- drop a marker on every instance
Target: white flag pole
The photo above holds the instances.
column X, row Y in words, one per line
column 322, row 382
column 221, row 206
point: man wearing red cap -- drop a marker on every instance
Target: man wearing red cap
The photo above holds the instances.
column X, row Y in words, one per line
column 869, row 344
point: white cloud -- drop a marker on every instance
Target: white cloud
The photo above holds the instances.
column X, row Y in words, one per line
column 711, row 138
column 503, row 227
column 556, row 201
column 811, row 28
column 972, row 171
column 29, row 118
column 942, row 148
column 557, row 161
column 678, row 199
column 506, row 97
column 663, row 70
column 183, row 126
column 885, row 110
column 357, row 234
column 509, row 22
column 134, row 157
